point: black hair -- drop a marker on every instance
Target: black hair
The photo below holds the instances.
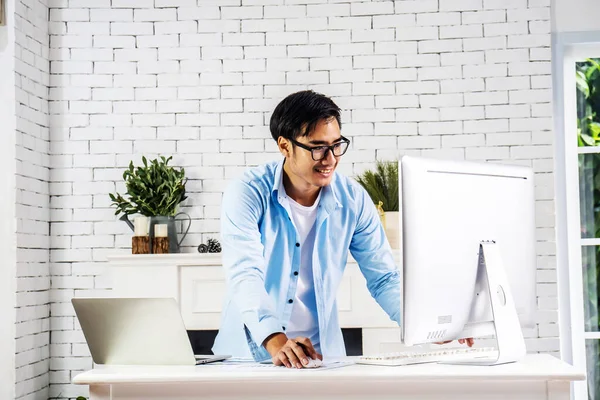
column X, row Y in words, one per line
column 298, row 114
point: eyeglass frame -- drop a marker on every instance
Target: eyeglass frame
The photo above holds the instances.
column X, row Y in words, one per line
column 327, row 148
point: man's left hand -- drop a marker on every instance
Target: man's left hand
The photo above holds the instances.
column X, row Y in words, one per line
column 468, row 341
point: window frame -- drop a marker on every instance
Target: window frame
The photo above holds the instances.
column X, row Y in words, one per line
column 568, row 48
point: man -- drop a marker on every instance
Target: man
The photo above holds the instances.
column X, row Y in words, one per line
column 286, row 228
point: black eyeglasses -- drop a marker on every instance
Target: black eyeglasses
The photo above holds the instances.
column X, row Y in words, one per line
column 318, row 153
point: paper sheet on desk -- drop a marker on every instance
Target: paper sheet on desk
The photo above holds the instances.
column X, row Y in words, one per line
column 271, row 367
column 239, row 360
column 249, row 364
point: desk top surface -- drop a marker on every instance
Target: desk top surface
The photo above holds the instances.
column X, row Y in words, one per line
column 534, row 367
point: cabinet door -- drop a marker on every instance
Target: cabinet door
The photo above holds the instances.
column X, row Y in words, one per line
column 139, row 280
column 202, row 293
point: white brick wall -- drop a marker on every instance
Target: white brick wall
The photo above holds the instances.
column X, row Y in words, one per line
column 32, row 73
column 466, row 79
column 8, row 229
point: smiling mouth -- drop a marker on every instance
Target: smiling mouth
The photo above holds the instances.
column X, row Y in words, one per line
column 324, row 171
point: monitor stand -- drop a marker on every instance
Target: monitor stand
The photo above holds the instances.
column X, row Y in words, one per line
column 511, row 345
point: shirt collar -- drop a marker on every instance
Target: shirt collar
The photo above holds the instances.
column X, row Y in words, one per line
column 328, row 198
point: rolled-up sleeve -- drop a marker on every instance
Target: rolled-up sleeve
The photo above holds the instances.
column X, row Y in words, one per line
column 372, row 252
column 244, row 261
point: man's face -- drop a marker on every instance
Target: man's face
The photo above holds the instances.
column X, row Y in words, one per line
column 303, row 171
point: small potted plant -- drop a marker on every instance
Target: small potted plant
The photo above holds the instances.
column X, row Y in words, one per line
column 154, row 191
column 382, row 186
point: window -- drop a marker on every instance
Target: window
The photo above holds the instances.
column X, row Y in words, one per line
column 587, row 82
column 577, row 112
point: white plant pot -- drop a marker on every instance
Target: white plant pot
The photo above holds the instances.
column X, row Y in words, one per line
column 392, row 228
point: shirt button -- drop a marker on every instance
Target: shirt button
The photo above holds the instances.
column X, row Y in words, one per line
column 290, row 301
column 297, row 244
column 283, row 327
column 295, row 272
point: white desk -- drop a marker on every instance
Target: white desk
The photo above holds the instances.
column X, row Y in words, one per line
column 538, row 376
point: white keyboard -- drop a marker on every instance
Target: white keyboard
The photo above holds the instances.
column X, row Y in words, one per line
column 429, row 356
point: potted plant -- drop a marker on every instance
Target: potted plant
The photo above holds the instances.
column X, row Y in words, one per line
column 382, row 186
column 154, row 191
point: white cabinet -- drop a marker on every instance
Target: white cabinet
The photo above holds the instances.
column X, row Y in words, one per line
column 197, row 282
column 202, row 292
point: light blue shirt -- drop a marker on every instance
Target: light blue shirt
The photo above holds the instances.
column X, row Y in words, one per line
column 261, row 255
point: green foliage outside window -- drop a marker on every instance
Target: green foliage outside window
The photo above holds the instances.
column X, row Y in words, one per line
column 588, row 134
column 588, row 103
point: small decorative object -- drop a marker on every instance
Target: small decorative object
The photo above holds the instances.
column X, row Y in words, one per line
column 381, row 212
column 382, row 186
column 211, row 246
column 140, row 242
column 154, row 190
column 160, row 241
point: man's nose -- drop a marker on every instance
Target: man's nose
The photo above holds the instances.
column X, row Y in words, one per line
column 329, row 157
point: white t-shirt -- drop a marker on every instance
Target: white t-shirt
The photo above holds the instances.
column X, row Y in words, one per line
column 303, row 321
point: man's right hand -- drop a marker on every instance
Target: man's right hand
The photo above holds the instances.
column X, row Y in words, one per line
column 290, row 352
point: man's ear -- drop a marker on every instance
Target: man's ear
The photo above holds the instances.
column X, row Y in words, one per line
column 285, row 146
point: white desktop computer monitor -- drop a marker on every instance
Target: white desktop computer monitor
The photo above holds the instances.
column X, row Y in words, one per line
column 448, row 208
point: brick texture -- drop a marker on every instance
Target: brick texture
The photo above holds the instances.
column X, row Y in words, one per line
column 32, row 73
column 461, row 79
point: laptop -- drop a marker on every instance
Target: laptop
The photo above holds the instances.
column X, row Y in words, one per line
column 137, row 331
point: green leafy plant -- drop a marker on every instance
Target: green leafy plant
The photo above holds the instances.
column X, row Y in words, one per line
column 152, row 189
column 382, row 184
